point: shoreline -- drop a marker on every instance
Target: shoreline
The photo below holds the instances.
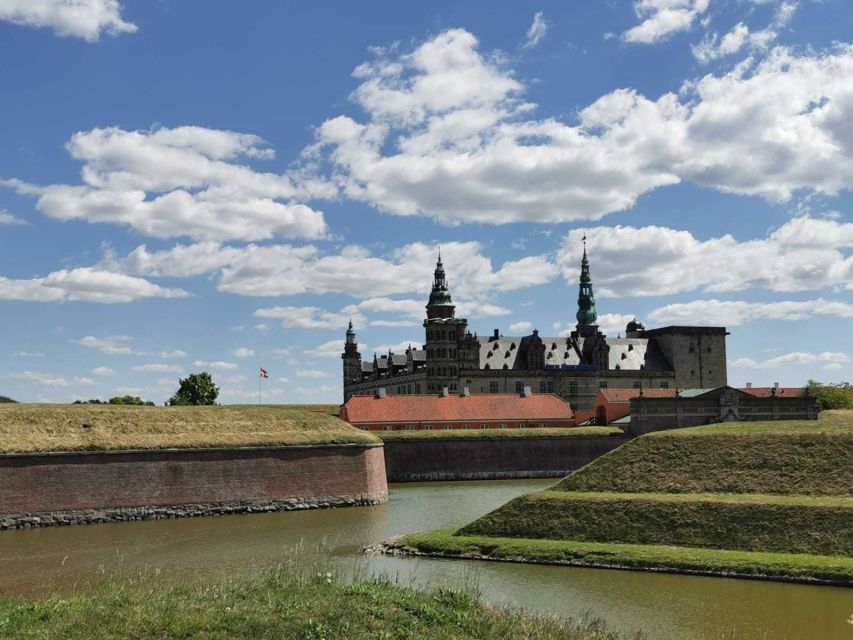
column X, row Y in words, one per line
column 400, row 546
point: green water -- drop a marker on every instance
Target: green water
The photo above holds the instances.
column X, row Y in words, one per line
column 667, row 607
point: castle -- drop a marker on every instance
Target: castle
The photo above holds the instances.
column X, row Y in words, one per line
column 575, row 367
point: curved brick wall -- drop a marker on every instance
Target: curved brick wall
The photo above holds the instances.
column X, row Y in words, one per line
column 99, row 486
column 473, row 459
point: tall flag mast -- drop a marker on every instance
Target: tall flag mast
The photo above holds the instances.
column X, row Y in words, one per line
column 263, row 375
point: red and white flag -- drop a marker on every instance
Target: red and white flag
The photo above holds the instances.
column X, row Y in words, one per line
column 264, row 374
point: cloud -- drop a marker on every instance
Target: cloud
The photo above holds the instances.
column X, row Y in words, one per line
column 330, row 349
column 29, row 354
column 399, row 347
column 736, row 312
column 103, row 372
column 110, row 345
column 537, row 30
column 803, row 254
column 186, row 181
column 305, row 317
column 311, row 373
column 48, row 379
column 243, row 352
column 712, row 47
column 84, row 284
column 521, row 327
column 86, row 19
column 321, row 389
column 218, row 365
column 177, row 353
column 447, row 134
column 277, row 270
column 662, row 18
column 158, row 367
column 8, row 219
column 829, row 360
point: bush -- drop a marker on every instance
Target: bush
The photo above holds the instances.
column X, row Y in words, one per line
column 6, row 399
column 195, row 389
column 830, row 396
column 130, row 400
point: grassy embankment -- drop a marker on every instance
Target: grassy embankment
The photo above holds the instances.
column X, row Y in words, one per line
column 500, row 434
column 772, row 499
column 279, row 604
column 33, row 427
column 6, row 399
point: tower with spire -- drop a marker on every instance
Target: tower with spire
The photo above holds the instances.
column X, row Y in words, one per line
column 586, row 315
column 351, row 359
column 444, row 333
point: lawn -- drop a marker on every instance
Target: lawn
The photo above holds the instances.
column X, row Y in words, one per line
column 279, row 604
column 33, row 427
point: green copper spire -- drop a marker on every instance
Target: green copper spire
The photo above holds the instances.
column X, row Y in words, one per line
column 350, row 333
column 440, row 303
column 586, row 314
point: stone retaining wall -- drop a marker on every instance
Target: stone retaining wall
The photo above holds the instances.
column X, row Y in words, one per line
column 80, row 487
column 489, row 458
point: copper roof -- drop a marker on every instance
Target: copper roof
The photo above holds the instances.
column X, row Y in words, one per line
column 625, row 395
column 767, row 392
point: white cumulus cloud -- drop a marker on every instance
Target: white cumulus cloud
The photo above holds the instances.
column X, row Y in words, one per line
column 662, row 18
column 536, row 31
column 86, row 19
column 84, row 284
column 735, row 312
column 829, row 360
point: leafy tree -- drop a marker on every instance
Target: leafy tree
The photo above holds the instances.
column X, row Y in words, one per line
column 195, row 389
column 134, row 400
column 830, row 396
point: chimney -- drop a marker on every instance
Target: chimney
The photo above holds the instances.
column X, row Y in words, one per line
column 775, row 385
column 497, row 334
column 527, row 392
column 444, row 392
column 749, row 385
column 466, row 392
column 381, row 393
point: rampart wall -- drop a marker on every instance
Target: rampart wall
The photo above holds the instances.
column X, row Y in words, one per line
column 81, row 487
column 489, row 458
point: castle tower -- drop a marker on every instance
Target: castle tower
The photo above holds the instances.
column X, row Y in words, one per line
column 351, row 360
column 586, row 314
column 444, row 332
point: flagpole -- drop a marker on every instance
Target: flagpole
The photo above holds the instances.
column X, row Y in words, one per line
column 260, row 378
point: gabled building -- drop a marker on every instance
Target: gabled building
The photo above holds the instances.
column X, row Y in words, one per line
column 573, row 366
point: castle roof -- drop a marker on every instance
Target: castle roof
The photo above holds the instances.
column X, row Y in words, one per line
column 625, row 395
column 767, row 392
column 454, row 408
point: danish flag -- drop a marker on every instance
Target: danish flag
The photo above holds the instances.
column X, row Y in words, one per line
column 264, row 374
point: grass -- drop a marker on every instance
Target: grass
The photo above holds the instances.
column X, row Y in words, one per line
column 6, row 399
column 500, row 434
column 785, row 524
column 33, row 428
column 807, row 458
column 798, row 567
column 279, row 604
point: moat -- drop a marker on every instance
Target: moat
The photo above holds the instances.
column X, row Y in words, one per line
column 666, row 607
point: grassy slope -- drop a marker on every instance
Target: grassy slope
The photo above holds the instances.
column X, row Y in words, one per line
column 279, row 604
column 28, row 427
column 808, row 458
column 6, row 399
column 727, row 494
column 784, row 524
column 500, row 434
column 835, row 569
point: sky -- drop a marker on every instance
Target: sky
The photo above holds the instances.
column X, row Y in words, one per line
column 217, row 185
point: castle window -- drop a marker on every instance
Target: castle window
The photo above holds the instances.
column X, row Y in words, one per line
column 502, row 425
column 550, row 386
column 512, row 346
column 519, row 386
column 417, row 387
column 638, row 384
column 624, row 356
column 506, row 366
column 664, row 384
column 428, row 427
column 453, row 335
column 602, row 384
column 466, row 426
column 573, row 387
column 487, row 367
column 493, row 386
column 553, row 346
column 542, row 386
column 484, row 426
column 690, row 350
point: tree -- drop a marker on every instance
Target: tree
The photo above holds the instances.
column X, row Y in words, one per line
column 830, row 396
column 134, row 400
column 195, row 389
column 6, row 399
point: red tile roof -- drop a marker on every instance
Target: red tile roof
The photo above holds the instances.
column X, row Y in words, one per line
column 625, row 395
column 766, row 392
column 539, row 406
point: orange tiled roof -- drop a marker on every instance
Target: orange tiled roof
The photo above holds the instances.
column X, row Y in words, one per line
column 766, row 392
column 625, row 395
column 539, row 406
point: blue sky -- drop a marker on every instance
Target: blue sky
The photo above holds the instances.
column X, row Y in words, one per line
column 210, row 185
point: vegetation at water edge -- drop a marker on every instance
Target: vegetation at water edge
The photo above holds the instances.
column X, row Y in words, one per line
column 284, row 604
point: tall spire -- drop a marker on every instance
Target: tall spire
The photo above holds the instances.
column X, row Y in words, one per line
column 350, row 333
column 586, row 314
column 440, row 303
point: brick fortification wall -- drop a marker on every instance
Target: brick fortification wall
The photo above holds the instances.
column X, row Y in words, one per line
column 79, row 487
column 474, row 459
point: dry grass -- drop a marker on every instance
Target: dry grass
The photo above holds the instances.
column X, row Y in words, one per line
column 33, row 427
